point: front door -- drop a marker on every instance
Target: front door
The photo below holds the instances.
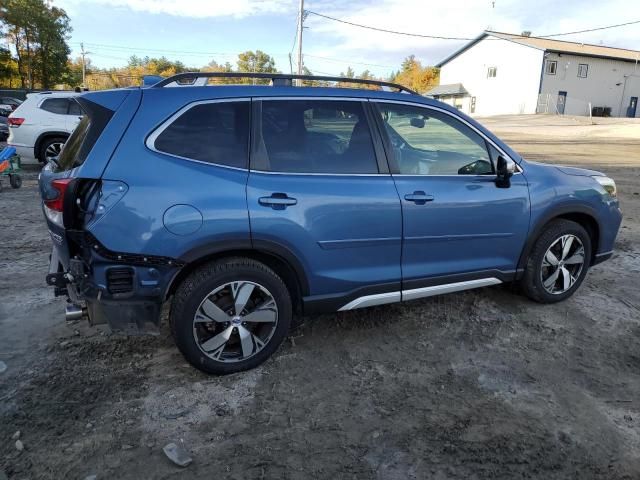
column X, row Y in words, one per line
column 633, row 105
column 562, row 101
column 318, row 189
column 458, row 224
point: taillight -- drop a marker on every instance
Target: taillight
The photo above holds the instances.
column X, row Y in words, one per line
column 15, row 121
column 60, row 185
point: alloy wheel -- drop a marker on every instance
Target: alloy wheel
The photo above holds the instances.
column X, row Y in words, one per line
column 235, row 321
column 562, row 264
column 53, row 150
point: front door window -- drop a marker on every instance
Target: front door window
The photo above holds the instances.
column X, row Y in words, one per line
column 428, row 142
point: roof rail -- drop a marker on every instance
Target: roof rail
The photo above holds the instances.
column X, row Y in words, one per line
column 277, row 79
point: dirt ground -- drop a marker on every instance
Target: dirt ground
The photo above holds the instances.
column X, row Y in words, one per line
column 479, row 384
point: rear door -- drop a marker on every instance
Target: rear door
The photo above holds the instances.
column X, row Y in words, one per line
column 319, row 190
column 458, row 224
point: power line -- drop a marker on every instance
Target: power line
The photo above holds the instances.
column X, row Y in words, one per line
column 438, row 37
column 310, row 12
column 335, row 60
column 591, row 29
column 161, row 50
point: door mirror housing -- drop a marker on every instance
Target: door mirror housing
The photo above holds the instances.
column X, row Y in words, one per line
column 504, row 171
column 417, row 122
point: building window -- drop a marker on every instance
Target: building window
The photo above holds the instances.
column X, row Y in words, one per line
column 492, row 72
column 583, row 69
column 551, row 67
column 472, row 109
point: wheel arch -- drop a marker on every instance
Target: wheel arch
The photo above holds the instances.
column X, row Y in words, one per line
column 582, row 215
column 275, row 256
column 44, row 136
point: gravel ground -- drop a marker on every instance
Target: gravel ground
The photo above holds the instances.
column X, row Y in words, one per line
column 479, row 384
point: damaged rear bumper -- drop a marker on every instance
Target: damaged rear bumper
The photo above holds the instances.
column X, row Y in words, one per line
column 124, row 291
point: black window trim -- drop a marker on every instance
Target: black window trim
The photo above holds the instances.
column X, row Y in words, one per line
column 387, row 142
column 547, row 64
column 586, row 73
column 157, row 131
column 381, row 161
column 69, row 99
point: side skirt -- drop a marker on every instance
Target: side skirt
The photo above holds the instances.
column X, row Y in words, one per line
column 379, row 295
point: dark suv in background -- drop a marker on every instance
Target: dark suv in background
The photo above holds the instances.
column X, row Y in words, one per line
column 244, row 205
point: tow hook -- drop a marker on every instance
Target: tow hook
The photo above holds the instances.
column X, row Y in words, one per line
column 74, row 312
column 59, row 279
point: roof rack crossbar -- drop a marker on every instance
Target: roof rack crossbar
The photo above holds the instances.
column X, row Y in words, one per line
column 277, row 79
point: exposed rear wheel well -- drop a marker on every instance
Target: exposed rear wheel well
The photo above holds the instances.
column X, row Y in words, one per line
column 285, row 271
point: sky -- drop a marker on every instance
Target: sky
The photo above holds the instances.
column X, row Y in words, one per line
column 199, row 31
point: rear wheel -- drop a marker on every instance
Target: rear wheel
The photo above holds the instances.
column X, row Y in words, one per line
column 230, row 315
column 558, row 262
column 50, row 149
column 15, row 180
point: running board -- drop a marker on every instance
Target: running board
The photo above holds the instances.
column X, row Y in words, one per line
column 415, row 293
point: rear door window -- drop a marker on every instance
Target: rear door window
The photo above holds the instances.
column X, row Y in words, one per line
column 315, row 136
column 216, row 132
column 56, row 105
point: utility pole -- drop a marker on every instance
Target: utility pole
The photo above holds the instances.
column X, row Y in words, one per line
column 83, row 53
column 300, row 26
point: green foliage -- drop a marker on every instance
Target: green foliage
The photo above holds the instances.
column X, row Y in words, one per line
column 38, row 34
column 255, row 62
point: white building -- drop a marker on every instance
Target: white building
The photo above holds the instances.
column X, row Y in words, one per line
column 500, row 73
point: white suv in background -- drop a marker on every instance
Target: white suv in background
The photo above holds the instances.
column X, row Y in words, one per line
column 40, row 126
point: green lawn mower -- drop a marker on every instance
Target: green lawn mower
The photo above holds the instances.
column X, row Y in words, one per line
column 10, row 167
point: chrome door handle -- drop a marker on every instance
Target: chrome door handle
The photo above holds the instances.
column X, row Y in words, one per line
column 418, row 197
column 277, row 201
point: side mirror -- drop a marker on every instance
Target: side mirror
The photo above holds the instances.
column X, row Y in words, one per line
column 505, row 169
column 417, row 122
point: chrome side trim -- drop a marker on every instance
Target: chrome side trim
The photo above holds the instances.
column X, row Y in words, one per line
column 447, row 288
column 312, row 97
column 415, row 293
column 604, row 253
column 151, row 139
column 371, row 300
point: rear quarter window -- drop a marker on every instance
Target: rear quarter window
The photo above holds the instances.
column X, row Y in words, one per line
column 56, row 105
column 216, row 132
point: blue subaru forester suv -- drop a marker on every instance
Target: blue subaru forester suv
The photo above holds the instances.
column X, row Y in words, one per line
column 243, row 205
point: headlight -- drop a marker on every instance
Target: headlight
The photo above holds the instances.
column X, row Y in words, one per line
column 608, row 184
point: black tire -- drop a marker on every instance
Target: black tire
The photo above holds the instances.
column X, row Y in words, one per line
column 199, row 285
column 532, row 283
column 15, row 180
column 46, row 143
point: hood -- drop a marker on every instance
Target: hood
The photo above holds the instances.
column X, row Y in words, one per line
column 581, row 172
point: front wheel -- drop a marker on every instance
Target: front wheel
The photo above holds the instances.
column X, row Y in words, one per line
column 230, row 315
column 558, row 262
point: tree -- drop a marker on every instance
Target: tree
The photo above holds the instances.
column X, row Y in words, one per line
column 38, row 34
column 256, row 62
column 416, row 77
column 350, row 74
column 52, row 51
column 213, row 66
column 8, row 69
